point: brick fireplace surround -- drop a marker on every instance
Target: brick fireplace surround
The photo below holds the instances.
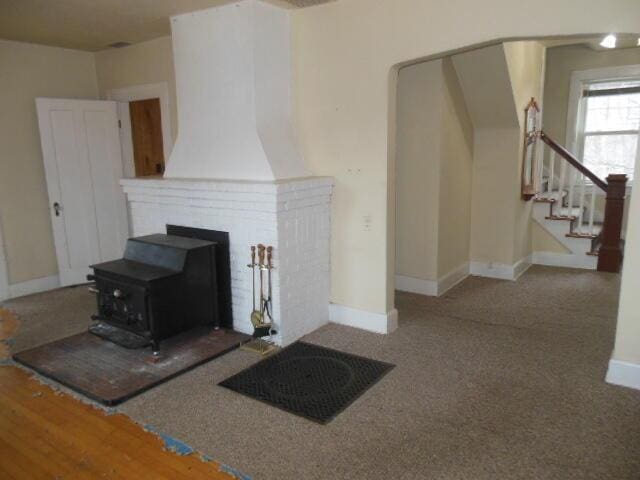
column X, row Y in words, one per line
column 292, row 215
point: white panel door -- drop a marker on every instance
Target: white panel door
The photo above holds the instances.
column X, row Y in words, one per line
column 83, row 166
column 126, row 140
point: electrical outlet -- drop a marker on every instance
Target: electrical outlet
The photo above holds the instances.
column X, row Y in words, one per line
column 367, row 223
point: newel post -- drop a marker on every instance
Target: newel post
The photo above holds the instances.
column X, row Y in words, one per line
column 610, row 255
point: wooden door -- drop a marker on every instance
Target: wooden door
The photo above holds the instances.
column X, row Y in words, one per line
column 146, row 133
column 83, row 167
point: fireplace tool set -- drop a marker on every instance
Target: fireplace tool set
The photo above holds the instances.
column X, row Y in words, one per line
column 262, row 314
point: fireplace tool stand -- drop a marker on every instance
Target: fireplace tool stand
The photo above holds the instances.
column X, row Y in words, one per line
column 262, row 317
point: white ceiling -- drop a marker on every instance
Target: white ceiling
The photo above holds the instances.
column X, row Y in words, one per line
column 95, row 24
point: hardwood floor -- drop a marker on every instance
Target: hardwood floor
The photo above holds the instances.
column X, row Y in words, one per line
column 48, row 435
column 8, row 325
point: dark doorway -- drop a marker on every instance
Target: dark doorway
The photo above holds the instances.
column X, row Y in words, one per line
column 146, row 133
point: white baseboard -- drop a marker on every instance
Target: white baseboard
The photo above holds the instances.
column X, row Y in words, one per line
column 417, row 285
column 624, row 374
column 521, row 266
column 454, row 277
column 433, row 288
column 34, row 286
column 569, row 260
column 373, row 322
column 501, row 271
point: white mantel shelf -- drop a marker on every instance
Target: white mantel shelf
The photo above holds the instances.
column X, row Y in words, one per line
column 214, row 184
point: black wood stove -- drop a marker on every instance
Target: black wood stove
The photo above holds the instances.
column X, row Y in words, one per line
column 164, row 285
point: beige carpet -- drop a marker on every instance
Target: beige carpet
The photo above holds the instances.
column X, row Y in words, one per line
column 495, row 380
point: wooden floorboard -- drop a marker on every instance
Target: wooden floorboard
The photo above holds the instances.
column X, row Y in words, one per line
column 45, row 434
column 8, row 325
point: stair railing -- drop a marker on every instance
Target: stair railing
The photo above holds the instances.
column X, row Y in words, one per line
column 571, row 176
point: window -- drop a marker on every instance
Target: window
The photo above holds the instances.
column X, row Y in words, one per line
column 609, row 126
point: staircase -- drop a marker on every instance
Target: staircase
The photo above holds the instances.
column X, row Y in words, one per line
column 564, row 193
column 569, row 226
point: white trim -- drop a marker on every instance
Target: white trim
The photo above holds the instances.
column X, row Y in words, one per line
column 144, row 92
column 624, row 374
column 501, row 271
column 36, row 285
column 453, row 278
column 417, row 285
column 568, row 260
column 578, row 79
column 521, row 266
column 373, row 322
column 126, row 140
column 433, row 288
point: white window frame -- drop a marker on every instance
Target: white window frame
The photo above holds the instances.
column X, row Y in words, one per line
column 576, row 114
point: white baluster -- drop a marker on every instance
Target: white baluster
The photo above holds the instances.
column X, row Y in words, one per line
column 563, row 174
column 592, row 207
column 572, row 181
column 582, row 193
column 540, row 171
column 552, row 164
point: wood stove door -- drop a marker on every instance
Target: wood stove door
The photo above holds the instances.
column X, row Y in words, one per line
column 122, row 305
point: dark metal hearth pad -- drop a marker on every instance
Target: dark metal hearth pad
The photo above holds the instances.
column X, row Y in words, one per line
column 111, row 374
column 308, row 380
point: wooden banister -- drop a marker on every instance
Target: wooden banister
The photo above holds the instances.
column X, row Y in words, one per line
column 610, row 254
column 577, row 164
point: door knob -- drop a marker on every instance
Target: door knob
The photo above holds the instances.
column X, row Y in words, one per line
column 57, row 208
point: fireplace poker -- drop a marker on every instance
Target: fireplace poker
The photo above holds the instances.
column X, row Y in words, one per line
column 269, row 268
column 261, row 326
column 260, row 269
column 256, row 316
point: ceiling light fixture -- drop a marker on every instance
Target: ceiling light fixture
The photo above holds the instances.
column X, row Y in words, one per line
column 609, row 41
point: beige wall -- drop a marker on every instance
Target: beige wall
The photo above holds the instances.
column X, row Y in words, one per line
column 139, row 64
column 419, row 125
column 493, row 205
column 28, row 71
column 543, row 241
column 434, row 153
column 493, row 80
column 343, row 54
column 456, row 169
column 438, row 174
column 561, row 62
column 526, row 65
column 484, row 78
column 343, row 64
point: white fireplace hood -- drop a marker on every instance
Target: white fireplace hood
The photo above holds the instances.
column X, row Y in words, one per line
column 233, row 79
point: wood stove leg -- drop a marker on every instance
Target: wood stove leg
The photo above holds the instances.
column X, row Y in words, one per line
column 155, row 347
